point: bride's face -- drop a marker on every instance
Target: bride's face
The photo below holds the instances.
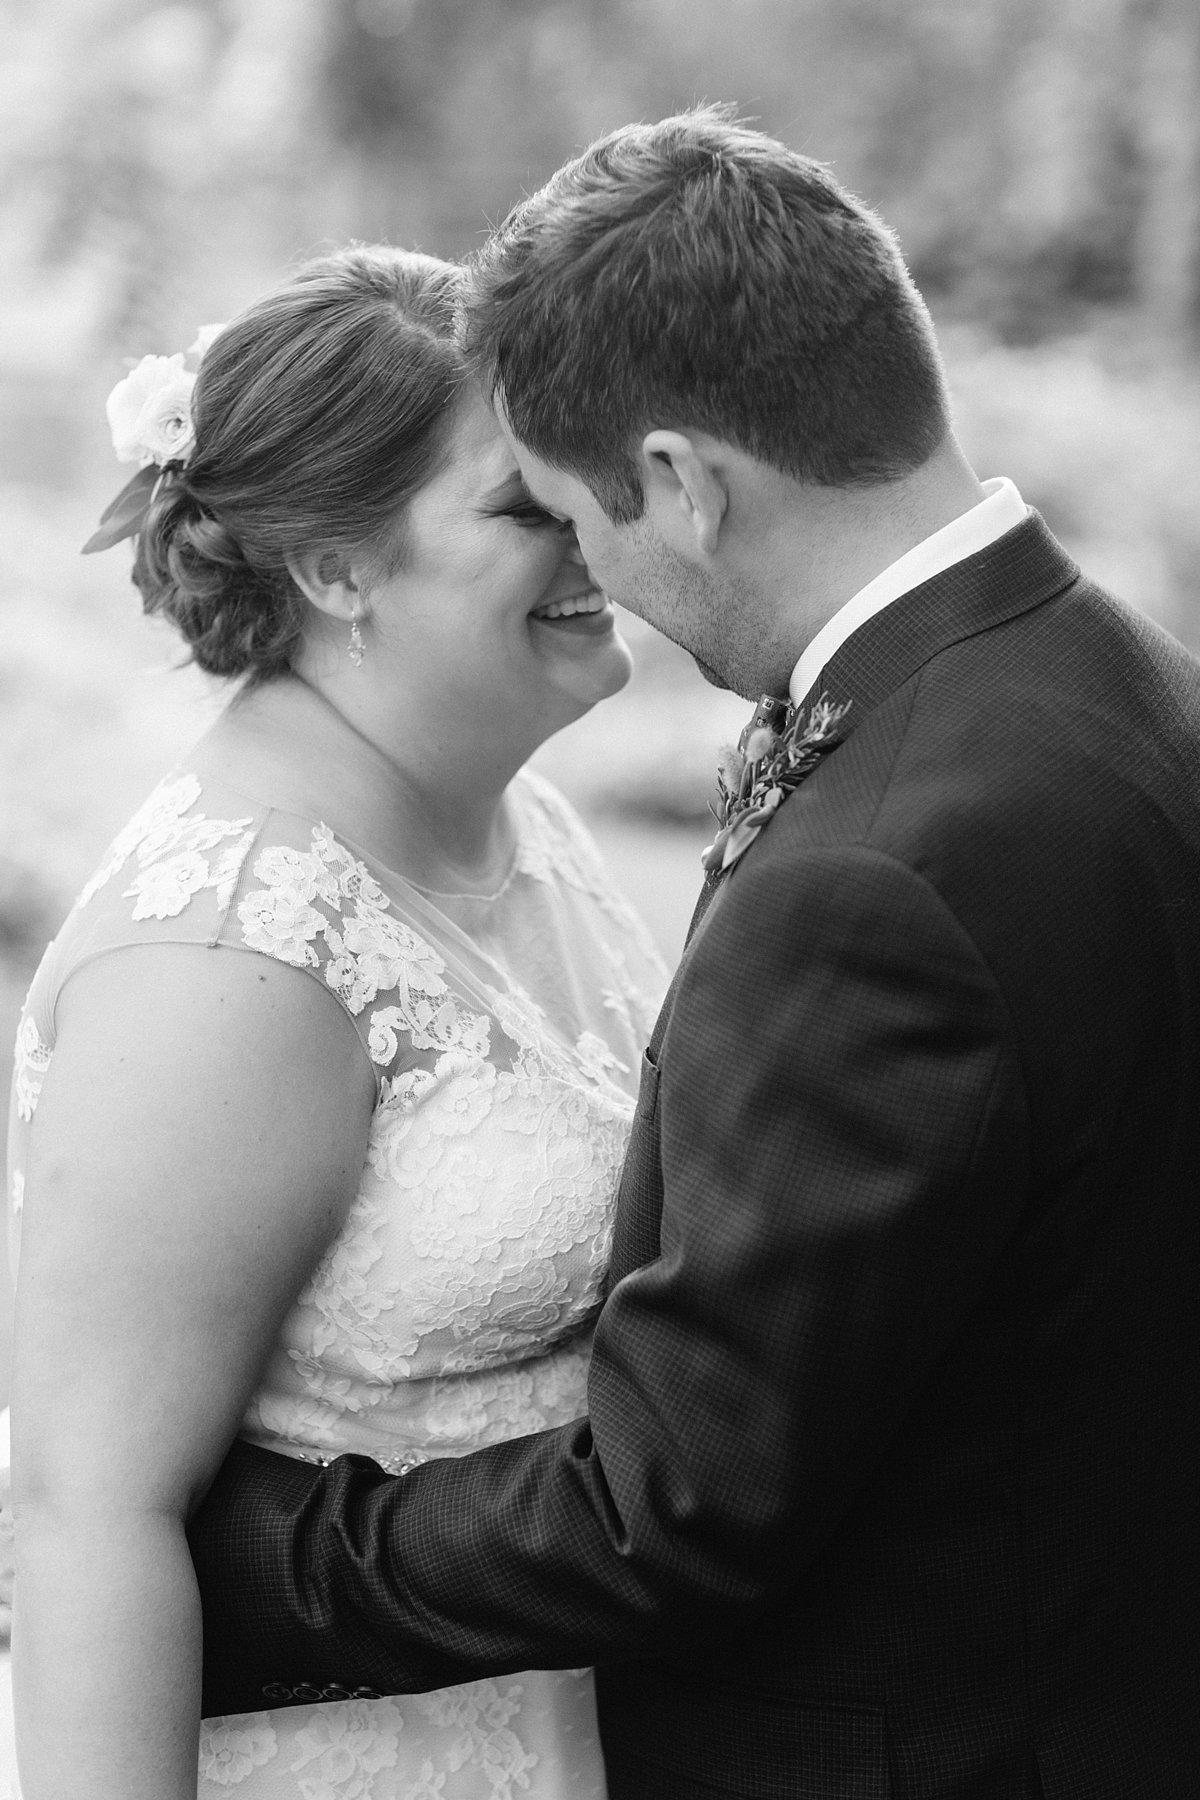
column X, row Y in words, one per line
column 494, row 601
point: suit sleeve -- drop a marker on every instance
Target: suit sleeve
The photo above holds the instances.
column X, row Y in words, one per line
column 840, row 1118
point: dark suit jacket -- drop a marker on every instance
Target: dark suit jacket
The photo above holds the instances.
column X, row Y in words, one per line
column 889, row 1484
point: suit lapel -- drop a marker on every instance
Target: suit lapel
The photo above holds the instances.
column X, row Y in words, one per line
column 1020, row 571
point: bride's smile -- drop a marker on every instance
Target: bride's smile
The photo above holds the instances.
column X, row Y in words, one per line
column 493, row 598
column 590, row 609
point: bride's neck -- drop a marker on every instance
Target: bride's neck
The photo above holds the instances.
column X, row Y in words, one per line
column 423, row 803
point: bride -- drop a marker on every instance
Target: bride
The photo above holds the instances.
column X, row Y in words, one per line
column 322, row 1090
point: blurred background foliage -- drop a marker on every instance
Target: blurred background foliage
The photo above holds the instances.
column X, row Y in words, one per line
column 163, row 161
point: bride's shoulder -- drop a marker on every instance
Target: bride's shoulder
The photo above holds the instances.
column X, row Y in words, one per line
column 202, row 863
column 167, row 878
column 179, row 837
column 195, row 834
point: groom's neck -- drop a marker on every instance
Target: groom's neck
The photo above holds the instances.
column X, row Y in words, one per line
column 832, row 541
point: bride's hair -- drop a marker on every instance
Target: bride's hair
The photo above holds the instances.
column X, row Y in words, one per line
column 318, row 412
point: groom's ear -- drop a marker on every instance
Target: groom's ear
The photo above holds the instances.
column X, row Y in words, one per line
column 684, row 473
column 326, row 579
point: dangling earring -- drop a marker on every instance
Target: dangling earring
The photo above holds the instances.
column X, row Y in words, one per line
column 356, row 649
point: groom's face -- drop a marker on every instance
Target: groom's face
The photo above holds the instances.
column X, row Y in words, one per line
column 633, row 567
column 611, row 551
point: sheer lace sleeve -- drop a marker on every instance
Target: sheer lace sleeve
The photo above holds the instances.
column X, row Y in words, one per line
column 552, row 977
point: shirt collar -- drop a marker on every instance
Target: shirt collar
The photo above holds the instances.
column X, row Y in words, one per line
column 1001, row 508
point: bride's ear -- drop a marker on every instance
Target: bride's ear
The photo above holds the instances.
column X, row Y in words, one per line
column 683, row 475
column 326, row 579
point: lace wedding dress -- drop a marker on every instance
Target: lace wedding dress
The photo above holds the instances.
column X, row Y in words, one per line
column 453, row 1309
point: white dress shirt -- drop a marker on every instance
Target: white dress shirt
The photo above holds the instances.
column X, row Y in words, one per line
column 1000, row 509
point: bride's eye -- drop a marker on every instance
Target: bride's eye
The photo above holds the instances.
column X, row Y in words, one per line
column 528, row 512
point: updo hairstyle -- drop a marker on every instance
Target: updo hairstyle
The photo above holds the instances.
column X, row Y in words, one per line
column 318, row 413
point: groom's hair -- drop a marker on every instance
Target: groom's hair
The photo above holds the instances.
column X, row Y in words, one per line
column 695, row 273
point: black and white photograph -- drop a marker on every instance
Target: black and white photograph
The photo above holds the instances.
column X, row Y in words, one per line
column 600, row 899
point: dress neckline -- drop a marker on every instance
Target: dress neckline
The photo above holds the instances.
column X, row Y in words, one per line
column 376, row 862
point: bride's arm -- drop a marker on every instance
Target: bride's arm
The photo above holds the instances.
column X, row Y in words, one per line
column 199, row 1137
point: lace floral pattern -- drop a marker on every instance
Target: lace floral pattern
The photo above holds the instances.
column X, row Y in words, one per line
column 454, row 1306
column 231, row 1749
column 345, row 1747
column 369, row 952
column 479, row 1716
column 169, row 841
column 31, row 1059
column 469, row 1740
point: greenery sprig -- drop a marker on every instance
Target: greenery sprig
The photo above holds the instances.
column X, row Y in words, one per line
column 774, row 755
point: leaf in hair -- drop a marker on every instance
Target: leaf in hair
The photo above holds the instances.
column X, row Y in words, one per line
column 124, row 516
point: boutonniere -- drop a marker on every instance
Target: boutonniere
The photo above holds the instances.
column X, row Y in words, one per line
column 774, row 754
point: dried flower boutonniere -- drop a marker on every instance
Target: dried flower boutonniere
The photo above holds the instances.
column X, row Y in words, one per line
column 773, row 756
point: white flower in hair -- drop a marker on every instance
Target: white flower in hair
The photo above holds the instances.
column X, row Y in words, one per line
column 204, row 338
column 150, row 412
column 150, row 417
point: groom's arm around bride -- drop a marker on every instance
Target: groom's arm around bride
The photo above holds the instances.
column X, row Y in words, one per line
column 888, row 1479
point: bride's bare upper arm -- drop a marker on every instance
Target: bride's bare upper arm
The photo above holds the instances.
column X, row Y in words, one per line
column 199, row 1137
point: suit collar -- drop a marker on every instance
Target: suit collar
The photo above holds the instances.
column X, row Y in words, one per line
column 1019, row 571
column 982, row 524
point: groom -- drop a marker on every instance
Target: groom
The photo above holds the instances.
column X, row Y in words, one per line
column 889, row 1481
